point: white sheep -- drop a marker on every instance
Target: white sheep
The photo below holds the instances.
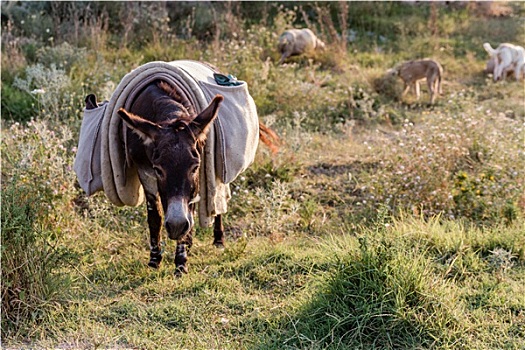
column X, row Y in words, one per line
column 297, row 42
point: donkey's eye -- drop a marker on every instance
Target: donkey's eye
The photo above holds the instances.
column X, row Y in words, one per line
column 194, row 170
column 195, row 153
column 158, row 171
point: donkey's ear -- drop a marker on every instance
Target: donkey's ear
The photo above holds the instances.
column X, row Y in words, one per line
column 202, row 122
column 142, row 127
column 91, row 101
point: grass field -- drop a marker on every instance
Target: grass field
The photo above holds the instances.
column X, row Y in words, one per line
column 382, row 223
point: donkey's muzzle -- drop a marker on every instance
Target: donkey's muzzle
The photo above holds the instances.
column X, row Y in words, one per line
column 178, row 219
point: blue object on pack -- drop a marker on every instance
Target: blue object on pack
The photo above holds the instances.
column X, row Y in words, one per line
column 226, row 80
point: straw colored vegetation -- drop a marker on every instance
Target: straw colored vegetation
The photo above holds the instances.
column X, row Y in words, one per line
column 382, row 223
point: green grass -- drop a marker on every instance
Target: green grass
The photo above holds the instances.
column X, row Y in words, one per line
column 408, row 284
column 382, row 223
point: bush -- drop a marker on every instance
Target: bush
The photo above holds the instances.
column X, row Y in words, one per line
column 28, row 259
column 48, row 86
column 17, row 105
column 37, row 184
column 450, row 168
column 64, row 55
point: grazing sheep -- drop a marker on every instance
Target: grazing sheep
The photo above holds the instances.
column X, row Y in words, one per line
column 298, row 41
column 412, row 72
column 489, row 67
column 507, row 57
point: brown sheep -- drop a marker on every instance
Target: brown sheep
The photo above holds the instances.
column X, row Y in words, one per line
column 412, row 72
column 298, row 41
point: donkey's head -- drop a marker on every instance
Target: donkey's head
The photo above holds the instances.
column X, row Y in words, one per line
column 175, row 148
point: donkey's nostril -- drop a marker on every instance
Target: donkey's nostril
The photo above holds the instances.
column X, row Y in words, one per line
column 169, row 228
column 186, row 228
column 176, row 229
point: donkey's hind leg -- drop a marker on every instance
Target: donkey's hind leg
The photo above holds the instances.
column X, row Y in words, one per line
column 218, row 232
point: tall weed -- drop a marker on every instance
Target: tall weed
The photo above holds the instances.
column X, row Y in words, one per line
column 37, row 184
column 29, row 258
column 452, row 167
column 50, row 89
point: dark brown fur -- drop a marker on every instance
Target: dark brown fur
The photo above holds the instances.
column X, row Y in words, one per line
column 165, row 140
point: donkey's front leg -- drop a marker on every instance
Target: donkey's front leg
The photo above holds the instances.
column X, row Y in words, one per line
column 181, row 254
column 155, row 226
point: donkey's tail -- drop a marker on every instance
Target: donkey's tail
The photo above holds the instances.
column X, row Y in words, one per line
column 269, row 138
column 489, row 49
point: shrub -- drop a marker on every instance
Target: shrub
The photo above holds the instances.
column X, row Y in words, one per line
column 63, row 55
column 28, row 259
column 49, row 87
column 450, row 168
column 388, row 86
column 37, row 186
column 17, row 105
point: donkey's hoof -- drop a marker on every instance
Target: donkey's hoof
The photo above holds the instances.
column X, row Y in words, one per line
column 219, row 245
column 180, row 270
column 154, row 262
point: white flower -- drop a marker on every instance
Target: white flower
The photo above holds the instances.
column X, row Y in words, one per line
column 38, row 91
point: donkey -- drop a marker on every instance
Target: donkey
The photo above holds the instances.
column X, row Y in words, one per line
column 165, row 140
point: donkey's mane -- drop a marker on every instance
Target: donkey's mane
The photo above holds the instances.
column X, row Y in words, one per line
column 174, row 94
column 180, row 117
